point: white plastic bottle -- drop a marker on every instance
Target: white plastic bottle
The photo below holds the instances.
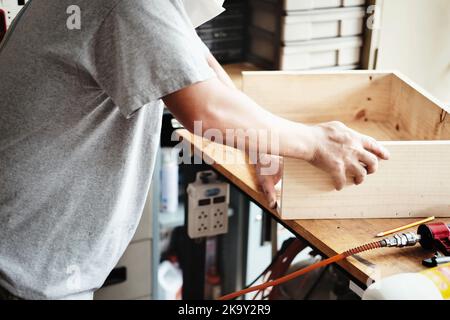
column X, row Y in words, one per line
column 169, row 180
column 170, row 280
column 431, row 284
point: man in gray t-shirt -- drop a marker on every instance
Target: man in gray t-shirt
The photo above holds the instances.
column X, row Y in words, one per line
column 80, row 116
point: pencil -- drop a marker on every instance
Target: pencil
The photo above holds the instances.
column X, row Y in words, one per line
column 414, row 224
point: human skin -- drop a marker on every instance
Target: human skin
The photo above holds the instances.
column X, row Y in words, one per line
column 333, row 147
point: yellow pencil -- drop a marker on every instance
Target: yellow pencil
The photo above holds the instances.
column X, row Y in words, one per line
column 414, row 224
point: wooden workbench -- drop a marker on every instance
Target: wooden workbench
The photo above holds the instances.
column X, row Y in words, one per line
column 328, row 236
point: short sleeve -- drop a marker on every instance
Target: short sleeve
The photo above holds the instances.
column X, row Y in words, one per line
column 145, row 50
column 203, row 45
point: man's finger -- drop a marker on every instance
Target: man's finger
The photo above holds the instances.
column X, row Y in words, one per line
column 369, row 160
column 269, row 190
column 268, row 186
column 339, row 179
column 376, row 148
column 358, row 172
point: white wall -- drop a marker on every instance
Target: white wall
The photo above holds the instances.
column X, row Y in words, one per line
column 415, row 39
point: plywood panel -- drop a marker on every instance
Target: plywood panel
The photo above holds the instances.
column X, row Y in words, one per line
column 415, row 111
column 382, row 131
column 413, row 183
column 318, row 97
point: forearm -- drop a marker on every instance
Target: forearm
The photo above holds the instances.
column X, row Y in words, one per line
column 243, row 124
column 254, row 129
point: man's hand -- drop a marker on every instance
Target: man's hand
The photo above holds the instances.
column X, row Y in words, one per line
column 336, row 149
column 343, row 153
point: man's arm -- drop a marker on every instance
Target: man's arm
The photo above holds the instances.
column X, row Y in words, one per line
column 332, row 146
column 222, row 84
column 220, row 107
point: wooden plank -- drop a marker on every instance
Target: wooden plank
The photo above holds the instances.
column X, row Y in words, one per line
column 382, row 131
column 415, row 111
column 328, row 236
column 319, row 97
column 413, row 183
column 409, row 113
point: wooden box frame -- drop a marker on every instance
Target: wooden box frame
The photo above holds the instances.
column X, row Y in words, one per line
column 414, row 126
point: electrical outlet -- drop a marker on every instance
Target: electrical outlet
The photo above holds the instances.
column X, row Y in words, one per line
column 208, row 206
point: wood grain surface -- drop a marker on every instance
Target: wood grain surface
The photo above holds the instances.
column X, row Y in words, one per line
column 387, row 106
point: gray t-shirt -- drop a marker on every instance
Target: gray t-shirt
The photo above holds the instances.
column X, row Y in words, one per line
column 80, row 116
